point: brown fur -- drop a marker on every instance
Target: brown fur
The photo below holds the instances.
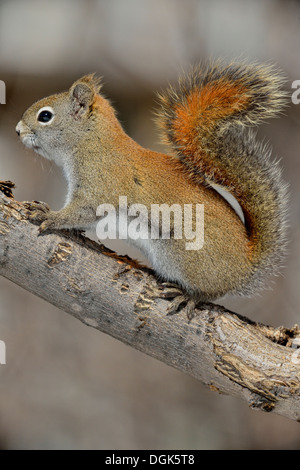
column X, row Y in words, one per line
column 203, row 122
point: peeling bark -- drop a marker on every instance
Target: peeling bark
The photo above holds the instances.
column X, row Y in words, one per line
column 226, row 351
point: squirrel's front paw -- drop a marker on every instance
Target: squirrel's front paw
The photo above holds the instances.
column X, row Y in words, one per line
column 40, row 212
column 48, row 223
column 37, row 211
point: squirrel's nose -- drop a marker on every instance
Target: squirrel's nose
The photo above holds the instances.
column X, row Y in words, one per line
column 18, row 128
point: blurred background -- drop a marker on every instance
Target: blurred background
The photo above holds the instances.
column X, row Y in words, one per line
column 65, row 385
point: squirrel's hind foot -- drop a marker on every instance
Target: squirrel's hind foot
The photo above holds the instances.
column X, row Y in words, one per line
column 185, row 303
column 181, row 300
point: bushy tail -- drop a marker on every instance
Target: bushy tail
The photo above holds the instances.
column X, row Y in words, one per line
column 204, row 121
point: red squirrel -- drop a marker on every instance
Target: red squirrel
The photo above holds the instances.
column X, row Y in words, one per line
column 205, row 121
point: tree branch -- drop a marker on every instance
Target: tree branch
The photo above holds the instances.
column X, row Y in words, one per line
column 113, row 294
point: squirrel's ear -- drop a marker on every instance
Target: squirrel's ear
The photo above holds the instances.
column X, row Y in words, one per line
column 82, row 93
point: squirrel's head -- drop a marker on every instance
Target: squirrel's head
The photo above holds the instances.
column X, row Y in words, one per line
column 53, row 126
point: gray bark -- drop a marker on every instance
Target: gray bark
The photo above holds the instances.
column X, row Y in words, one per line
column 115, row 295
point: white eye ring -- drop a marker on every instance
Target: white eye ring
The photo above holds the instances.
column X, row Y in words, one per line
column 45, row 115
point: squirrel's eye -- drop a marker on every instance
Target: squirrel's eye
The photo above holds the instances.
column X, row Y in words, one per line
column 45, row 115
